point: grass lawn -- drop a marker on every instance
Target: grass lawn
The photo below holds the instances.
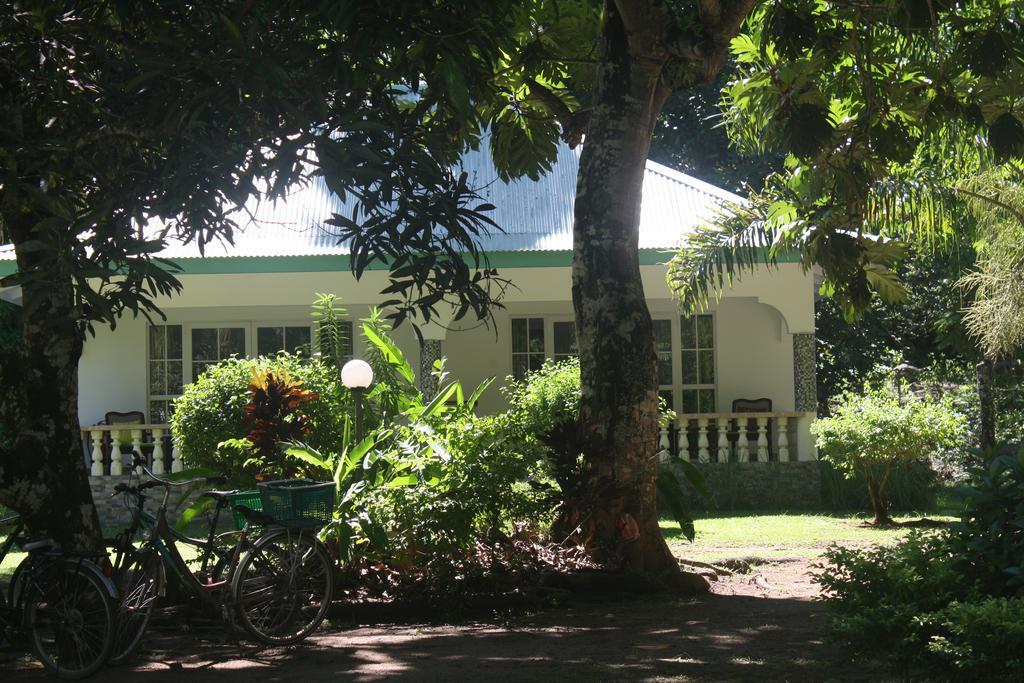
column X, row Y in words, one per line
column 776, row 535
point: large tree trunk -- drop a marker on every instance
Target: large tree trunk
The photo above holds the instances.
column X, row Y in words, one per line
column 42, row 471
column 614, row 506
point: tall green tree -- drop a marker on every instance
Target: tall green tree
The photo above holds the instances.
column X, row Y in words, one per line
column 882, row 108
column 125, row 124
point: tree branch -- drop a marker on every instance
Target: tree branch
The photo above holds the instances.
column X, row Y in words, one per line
column 574, row 123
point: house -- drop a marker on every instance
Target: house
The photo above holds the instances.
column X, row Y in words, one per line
column 756, row 342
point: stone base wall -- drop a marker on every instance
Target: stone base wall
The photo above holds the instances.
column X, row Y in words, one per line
column 756, row 485
column 112, row 508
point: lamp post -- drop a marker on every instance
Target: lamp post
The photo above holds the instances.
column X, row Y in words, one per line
column 357, row 375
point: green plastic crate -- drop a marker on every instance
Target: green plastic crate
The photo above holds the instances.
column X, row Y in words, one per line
column 298, row 502
column 250, row 499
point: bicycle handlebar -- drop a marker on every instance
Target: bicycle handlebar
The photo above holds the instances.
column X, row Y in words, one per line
column 137, row 461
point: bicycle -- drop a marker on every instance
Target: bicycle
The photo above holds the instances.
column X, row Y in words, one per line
column 277, row 587
column 62, row 603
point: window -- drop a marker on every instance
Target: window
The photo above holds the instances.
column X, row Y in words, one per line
column 289, row 338
column 165, row 370
column 527, row 346
column 213, row 344
column 564, row 334
column 663, row 351
column 697, row 347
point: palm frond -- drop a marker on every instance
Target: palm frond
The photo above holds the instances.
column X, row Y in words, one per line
column 741, row 238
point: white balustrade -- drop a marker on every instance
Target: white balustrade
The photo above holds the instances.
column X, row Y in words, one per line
column 175, row 459
column 702, row 440
column 158, row 450
column 783, row 422
column 663, row 451
column 762, row 439
column 722, row 437
column 116, row 457
column 96, row 436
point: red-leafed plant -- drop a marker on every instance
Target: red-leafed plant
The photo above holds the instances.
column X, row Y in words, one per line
column 274, row 414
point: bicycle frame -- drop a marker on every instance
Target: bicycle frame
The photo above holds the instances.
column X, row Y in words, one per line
column 163, row 538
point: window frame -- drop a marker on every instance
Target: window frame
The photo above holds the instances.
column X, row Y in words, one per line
column 547, row 341
column 679, row 350
column 166, row 398
column 250, row 328
column 256, row 325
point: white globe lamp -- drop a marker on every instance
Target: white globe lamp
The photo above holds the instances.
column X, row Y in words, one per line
column 356, row 374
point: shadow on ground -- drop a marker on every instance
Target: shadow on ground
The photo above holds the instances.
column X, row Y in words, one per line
column 715, row 638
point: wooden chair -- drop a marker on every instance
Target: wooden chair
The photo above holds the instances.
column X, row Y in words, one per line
column 753, row 405
column 124, row 437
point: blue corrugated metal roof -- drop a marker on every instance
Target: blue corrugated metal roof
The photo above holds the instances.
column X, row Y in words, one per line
column 534, row 215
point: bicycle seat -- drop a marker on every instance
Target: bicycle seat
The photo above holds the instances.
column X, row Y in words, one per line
column 219, row 495
column 42, row 544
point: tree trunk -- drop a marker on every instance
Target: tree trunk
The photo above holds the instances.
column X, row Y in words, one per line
column 879, row 502
column 42, row 472
column 986, row 405
column 614, row 506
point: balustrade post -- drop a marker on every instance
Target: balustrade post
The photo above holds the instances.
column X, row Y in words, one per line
column 136, row 446
column 116, row 459
column 723, row 439
column 663, row 452
column 175, row 458
column 742, row 443
column 783, row 426
column 702, row 440
column 762, row 439
column 158, row 450
column 97, row 452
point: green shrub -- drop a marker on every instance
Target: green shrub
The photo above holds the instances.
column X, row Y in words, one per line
column 949, row 605
column 876, row 596
column 912, row 487
column 211, row 410
column 913, row 604
column 873, row 433
column 990, row 533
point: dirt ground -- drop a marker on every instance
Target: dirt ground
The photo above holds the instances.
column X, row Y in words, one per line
column 761, row 626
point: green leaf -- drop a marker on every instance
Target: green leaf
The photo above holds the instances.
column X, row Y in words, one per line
column 391, row 353
column 480, row 389
column 308, row 456
column 374, row 532
column 199, row 507
column 672, row 494
column 437, row 404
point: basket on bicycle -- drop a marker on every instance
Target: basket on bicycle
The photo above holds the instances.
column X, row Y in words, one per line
column 250, row 499
column 298, row 502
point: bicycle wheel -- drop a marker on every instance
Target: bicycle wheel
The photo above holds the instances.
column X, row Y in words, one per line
column 70, row 616
column 139, row 583
column 283, row 586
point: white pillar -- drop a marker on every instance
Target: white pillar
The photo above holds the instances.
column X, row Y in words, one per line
column 762, row 439
column 97, row 452
column 175, row 459
column 702, row 440
column 116, row 466
column 158, row 450
column 136, row 444
column 723, row 440
column 663, row 444
column 782, row 423
column 742, row 444
column 806, row 448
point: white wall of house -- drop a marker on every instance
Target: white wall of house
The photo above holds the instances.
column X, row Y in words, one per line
column 754, row 326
